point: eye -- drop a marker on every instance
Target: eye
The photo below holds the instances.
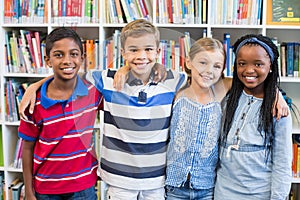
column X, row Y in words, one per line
column 74, row 55
column 133, row 50
column 241, row 64
column 58, row 55
column 149, row 49
column 218, row 66
column 203, row 63
column 258, row 65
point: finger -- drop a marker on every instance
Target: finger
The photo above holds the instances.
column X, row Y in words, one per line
column 23, row 116
column 31, row 107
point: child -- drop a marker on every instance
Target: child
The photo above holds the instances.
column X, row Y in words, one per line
column 193, row 152
column 136, row 119
column 255, row 149
column 59, row 160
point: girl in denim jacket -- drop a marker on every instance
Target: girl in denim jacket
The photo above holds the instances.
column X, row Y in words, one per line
column 193, row 148
column 255, row 148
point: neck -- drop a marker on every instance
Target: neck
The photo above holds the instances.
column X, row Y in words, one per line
column 61, row 89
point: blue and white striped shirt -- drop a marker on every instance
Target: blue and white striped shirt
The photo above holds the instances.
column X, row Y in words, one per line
column 133, row 153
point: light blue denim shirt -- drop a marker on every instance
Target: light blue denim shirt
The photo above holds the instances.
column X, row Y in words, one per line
column 244, row 173
column 193, row 146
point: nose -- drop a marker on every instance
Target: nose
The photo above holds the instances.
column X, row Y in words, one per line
column 249, row 68
column 209, row 68
column 67, row 59
column 141, row 54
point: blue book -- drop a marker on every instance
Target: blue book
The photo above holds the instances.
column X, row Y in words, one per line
column 290, row 58
column 226, row 43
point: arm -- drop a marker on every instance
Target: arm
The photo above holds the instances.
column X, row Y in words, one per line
column 27, row 163
column 121, row 75
column 282, row 159
column 281, row 109
column 29, row 97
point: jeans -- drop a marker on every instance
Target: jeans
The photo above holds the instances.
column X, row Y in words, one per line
column 87, row 194
column 187, row 193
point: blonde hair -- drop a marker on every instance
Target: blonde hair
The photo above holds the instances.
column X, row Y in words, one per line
column 137, row 28
column 206, row 44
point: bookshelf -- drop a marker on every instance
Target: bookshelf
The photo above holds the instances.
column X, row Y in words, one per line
column 102, row 26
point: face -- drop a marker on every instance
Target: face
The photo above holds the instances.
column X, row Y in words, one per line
column 206, row 68
column 141, row 53
column 65, row 59
column 253, row 67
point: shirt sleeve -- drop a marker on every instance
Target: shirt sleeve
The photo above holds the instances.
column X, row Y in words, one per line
column 28, row 129
column 282, row 159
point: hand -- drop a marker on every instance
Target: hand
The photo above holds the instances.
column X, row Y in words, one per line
column 281, row 109
column 160, row 73
column 121, row 77
column 28, row 99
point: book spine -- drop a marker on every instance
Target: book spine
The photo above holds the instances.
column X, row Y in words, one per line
column 290, row 58
column 226, row 43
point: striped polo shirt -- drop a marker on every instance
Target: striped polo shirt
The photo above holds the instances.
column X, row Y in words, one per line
column 136, row 124
column 64, row 156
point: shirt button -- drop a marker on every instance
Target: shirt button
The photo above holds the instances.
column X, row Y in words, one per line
column 67, row 105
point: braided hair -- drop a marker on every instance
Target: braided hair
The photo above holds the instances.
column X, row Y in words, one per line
column 266, row 123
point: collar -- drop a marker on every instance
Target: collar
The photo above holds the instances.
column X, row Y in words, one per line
column 80, row 90
column 133, row 81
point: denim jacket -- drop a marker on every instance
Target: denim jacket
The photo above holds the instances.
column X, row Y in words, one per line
column 246, row 173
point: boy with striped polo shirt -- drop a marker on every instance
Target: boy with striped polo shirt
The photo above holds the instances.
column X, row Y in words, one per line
column 59, row 160
column 136, row 118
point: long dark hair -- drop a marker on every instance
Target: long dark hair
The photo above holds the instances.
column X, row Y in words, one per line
column 266, row 123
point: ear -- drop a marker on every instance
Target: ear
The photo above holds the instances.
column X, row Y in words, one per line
column 158, row 52
column 123, row 53
column 47, row 61
column 188, row 62
column 83, row 57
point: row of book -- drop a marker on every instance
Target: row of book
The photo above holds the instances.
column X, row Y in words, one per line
column 242, row 12
column 16, row 189
column 24, row 52
column 14, row 91
column 182, row 12
column 25, row 11
column 62, row 11
column 124, row 11
column 75, row 11
column 289, row 59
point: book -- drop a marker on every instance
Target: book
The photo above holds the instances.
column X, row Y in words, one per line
column 295, row 160
column 290, row 58
column 296, row 59
column 283, row 59
column 226, row 44
column 16, row 190
column 119, row 11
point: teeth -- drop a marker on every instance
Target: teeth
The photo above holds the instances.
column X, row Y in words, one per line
column 250, row 77
column 68, row 69
column 140, row 65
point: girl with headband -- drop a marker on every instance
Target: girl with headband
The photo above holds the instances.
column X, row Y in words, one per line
column 255, row 148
